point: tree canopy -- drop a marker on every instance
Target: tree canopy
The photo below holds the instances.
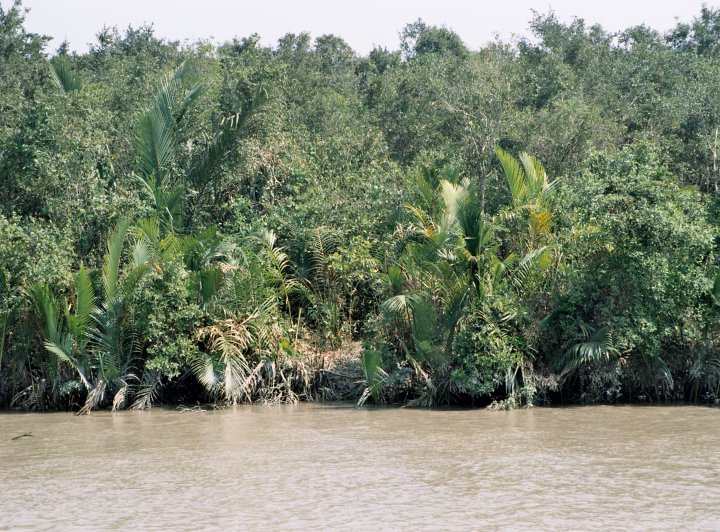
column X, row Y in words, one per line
column 525, row 223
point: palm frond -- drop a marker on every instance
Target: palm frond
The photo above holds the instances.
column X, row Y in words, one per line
column 522, row 271
column 210, row 280
column 424, row 224
column 112, row 340
column 62, row 350
column 203, row 367
column 395, row 279
column 540, row 222
column 228, row 370
column 156, row 146
column 375, row 376
column 323, row 242
column 232, row 128
column 472, row 223
column 452, row 195
column 111, row 265
column 85, row 305
column 279, row 265
column 84, row 301
column 46, row 307
column 4, row 284
column 400, row 304
column 120, row 397
column 155, row 134
column 133, row 276
column 63, row 77
column 596, row 345
column 172, row 205
column 514, row 175
column 424, row 319
column 186, row 88
column 142, row 253
column 94, row 398
column 424, row 193
column 148, row 230
column 148, row 390
column 535, row 176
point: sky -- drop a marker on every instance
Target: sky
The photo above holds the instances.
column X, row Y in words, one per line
column 362, row 23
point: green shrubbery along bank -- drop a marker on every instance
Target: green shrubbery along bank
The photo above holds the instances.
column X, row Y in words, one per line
column 524, row 224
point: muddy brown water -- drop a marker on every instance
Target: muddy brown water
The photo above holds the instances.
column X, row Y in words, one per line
column 337, row 467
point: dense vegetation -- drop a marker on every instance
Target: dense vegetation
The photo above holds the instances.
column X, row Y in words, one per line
column 525, row 224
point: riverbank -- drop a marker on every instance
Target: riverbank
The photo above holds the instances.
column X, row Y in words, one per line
column 339, row 376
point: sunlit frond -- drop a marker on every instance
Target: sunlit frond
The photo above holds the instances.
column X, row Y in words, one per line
column 514, row 175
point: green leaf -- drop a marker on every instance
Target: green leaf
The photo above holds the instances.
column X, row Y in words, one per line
column 85, row 303
column 63, row 76
column 514, row 175
column 111, row 266
column 231, row 129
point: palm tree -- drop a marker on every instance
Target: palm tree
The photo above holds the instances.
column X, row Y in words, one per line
column 231, row 367
column 530, row 191
column 157, row 144
column 452, row 263
column 93, row 335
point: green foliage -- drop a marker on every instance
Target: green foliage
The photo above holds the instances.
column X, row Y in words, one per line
column 167, row 300
column 418, row 39
column 486, row 349
column 461, row 306
column 594, row 345
column 374, row 376
column 633, row 226
column 63, row 77
column 191, row 222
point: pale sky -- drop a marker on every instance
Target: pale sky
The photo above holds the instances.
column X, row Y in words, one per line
column 361, row 23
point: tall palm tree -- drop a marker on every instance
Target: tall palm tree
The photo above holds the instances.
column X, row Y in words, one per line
column 157, row 144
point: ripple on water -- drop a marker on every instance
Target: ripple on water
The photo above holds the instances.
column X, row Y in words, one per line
column 310, row 466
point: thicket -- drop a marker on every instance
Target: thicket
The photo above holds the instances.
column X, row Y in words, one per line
column 528, row 223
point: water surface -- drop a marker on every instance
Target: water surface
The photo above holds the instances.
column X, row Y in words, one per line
column 312, row 466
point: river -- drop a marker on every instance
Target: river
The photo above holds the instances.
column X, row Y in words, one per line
column 311, row 466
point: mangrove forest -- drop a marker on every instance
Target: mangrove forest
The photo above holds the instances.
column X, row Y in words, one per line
column 535, row 222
